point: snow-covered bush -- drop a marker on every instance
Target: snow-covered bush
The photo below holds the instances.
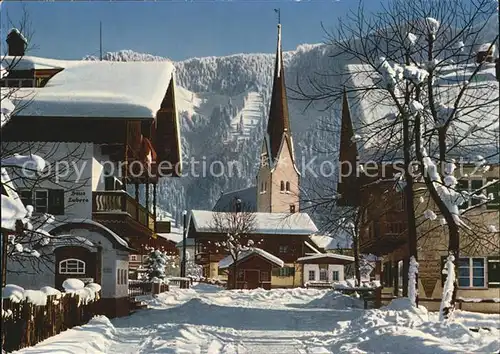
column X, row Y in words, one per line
column 156, row 264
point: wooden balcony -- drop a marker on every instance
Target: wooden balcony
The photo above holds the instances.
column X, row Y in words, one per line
column 381, row 238
column 122, row 214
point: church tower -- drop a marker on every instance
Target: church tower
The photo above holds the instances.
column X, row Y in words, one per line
column 278, row 176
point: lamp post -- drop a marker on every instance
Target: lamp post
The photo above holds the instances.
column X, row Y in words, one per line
column 184, row 235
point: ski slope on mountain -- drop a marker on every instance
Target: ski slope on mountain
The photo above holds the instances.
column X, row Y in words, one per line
column 206, row 319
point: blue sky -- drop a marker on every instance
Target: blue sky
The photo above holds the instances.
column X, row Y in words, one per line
column 178, row 30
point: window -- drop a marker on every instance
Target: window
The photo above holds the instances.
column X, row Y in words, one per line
column 133, row 258
column 118, row 277
column 241, row 275
column 282, row 186
column 284, row 272
column 262, row 187
column 312, row 275
column 494, row 272
column 335, row 275
column 292, row 208
column 264, row 276
column 283, row 249
column 472, row 186
column 493, row 191
column 288, row 186
column 44, row 200
column 471, row 273
column 265, row 187
column 323, row 275
column 475, row 184
column 71, row 266
column 463, row 186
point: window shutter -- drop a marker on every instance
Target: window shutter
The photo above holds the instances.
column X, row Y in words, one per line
column 493, row 189
column 56, row 202
column 493, row 272
column 26, row 197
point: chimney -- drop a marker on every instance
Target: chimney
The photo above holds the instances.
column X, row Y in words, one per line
column 16, row 43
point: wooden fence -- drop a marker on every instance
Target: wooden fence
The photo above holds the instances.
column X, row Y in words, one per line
column 139, row 289
column 30, row 324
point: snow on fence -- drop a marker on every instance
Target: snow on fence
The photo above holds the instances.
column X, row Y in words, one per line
column 27, row 322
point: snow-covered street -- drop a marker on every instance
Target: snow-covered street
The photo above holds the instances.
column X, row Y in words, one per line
column 206, row 319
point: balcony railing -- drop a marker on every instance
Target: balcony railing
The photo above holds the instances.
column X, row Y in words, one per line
column 121, row 201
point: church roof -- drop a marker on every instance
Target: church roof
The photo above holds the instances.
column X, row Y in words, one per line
column 248, row 197
column 279, row 122
column 264, row 223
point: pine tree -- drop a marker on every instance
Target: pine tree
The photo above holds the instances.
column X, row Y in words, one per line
column 156, row 264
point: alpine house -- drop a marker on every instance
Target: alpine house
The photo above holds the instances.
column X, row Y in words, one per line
column 101, row 126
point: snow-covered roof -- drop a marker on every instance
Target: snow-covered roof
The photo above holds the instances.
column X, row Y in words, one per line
column 189, row 242
column 34, row 63
column 264, row 223
column 330, row 243
column 478, row 116
column 115, row 236
column 248, row 198
column 311, row 247
column 228, row 261
column 175, row 235
column 96, row 89
column 326, row 255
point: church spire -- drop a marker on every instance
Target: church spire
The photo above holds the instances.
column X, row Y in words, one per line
column 278, row 114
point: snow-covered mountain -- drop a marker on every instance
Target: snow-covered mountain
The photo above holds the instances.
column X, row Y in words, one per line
column 223, row 103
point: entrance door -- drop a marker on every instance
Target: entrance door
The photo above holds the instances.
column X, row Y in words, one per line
column 252, row 279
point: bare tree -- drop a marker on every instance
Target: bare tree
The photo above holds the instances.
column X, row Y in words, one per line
column 236, row 229
column 421, row 68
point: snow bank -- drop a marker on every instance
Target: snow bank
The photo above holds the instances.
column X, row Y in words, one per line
column 72, row 285
column 13, row 292
column 36, row 297
column 95, row 337
column 335, row 300
column 49, row 291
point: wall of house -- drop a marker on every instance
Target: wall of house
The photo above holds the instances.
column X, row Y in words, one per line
column 264, row 198
column 69, row 167
column 284, row 171
column 286, row 281
column 478, row 242
column 330, row 268
column 121, row 265
column 102, row 167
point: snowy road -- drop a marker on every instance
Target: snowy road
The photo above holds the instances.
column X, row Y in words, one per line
column 208, row 320
column 231, row 322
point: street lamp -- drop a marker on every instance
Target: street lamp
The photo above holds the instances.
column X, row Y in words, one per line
column 184, row 235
